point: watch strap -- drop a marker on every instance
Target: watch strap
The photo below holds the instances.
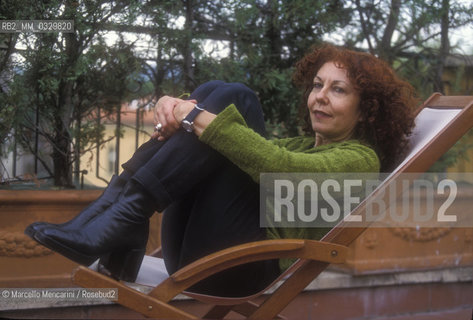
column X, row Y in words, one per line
column 188, row 121
column 198, row 108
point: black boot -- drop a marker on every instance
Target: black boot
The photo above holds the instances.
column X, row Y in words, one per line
column 109, row 196
column 118, row 236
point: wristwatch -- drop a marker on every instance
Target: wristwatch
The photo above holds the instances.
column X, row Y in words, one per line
column 188, row 122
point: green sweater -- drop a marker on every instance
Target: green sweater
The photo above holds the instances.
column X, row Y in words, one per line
column 230, row 135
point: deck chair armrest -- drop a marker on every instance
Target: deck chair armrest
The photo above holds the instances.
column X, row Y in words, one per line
column 262, row 250
column 250, row 252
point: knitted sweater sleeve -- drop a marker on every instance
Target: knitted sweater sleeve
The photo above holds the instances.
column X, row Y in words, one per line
column 229, row 135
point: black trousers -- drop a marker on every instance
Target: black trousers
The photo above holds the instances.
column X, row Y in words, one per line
column 209, row 203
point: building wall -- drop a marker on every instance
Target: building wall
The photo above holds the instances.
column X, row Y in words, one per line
column 107, row 155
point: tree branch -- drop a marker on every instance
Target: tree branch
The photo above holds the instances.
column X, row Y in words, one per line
column 386, row 48
column 365, row 31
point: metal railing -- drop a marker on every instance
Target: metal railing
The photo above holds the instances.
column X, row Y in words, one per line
column 11, row 175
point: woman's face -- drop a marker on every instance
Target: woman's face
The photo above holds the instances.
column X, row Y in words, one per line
column 333, row 104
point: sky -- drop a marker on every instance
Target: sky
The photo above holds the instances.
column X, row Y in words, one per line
column 464, row 37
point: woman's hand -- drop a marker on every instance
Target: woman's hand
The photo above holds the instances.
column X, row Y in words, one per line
column 164, row 117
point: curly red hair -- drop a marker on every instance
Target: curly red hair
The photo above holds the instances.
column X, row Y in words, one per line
column 387, row 103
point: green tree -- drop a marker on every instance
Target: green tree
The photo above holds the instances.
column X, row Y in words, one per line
column 266, row 38
column 9, row 10
column 66, row 78
column 413, row 36
column 60, row 81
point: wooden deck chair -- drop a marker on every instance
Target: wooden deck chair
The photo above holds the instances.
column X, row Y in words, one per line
column 440, row 122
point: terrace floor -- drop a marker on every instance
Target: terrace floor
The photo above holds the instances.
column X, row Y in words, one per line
column 430, row 294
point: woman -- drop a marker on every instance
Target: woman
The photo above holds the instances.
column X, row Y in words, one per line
column 202, row 168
